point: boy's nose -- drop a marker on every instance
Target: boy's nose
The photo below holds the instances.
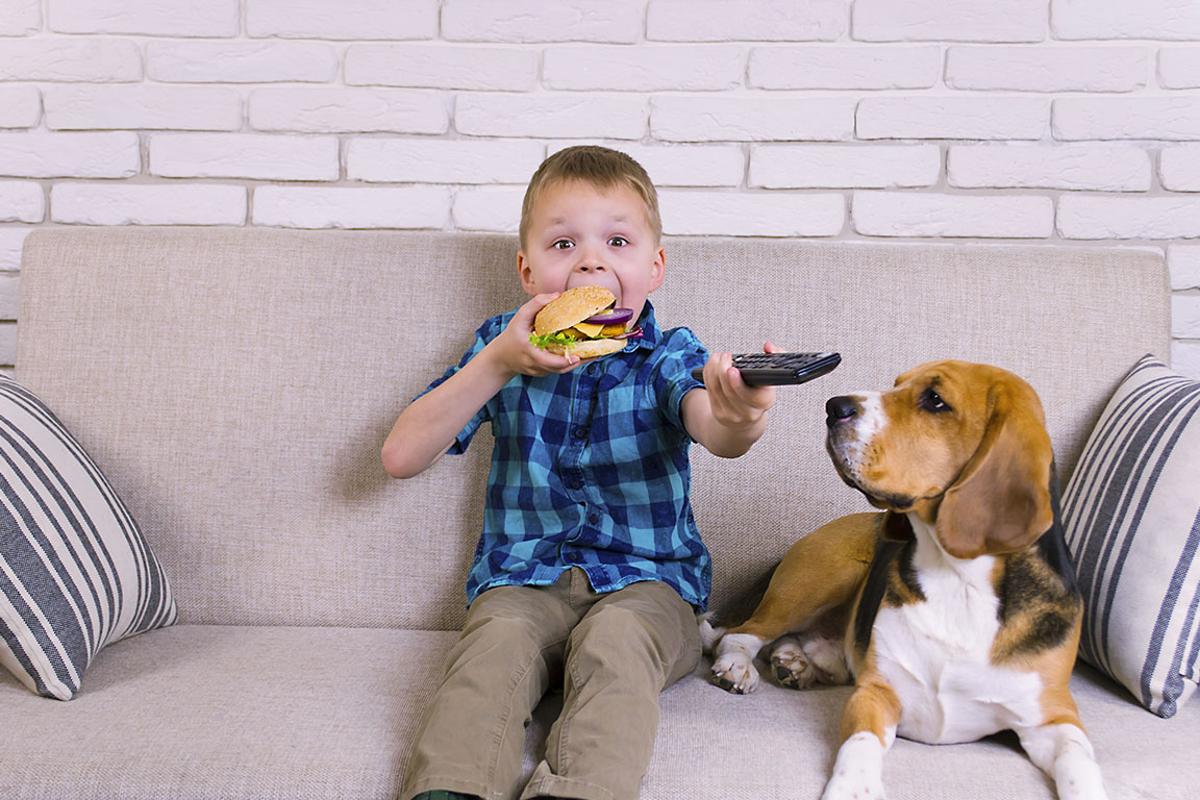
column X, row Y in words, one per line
column 590, row 266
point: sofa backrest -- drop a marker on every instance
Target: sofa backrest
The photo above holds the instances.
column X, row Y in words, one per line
column 236, row 385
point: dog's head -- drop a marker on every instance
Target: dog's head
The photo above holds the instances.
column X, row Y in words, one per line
column 963, row 445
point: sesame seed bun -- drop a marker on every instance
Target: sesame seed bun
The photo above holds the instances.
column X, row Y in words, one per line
column 572, row 306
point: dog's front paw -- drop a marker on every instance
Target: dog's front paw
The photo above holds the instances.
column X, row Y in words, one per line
column 850, row 787
column 792, row 669
column 858, row 773
column 735, row 672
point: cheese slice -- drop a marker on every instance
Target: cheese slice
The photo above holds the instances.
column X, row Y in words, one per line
column 589, row 330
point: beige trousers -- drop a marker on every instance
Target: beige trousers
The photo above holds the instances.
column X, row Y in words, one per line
column 613, row 652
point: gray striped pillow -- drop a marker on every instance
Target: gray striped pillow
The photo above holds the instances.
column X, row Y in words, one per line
column 1132, row 516
column 75, row 572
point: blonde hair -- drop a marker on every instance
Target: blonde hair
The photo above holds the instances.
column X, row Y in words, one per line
column 599, row 166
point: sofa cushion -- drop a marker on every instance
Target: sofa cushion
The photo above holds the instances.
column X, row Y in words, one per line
column 220, row 711
column 1132, row 512
column 75, row 572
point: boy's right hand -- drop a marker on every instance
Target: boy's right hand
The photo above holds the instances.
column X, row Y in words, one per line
column 515, row 354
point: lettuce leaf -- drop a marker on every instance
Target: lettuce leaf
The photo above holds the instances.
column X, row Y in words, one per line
column 546, row 339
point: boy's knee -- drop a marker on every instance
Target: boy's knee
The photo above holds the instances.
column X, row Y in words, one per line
column 620, row 641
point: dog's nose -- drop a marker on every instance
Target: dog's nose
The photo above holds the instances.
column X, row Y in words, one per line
column 840, row 409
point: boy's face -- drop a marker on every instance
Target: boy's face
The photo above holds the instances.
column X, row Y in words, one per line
column 580, row 236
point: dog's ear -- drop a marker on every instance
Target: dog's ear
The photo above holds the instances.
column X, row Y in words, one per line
column 896, row 528
column 1001, row 500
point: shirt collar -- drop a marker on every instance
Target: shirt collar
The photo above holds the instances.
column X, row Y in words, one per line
column 650, row 330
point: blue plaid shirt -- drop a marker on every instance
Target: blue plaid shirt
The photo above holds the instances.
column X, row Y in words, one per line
column 590, row 469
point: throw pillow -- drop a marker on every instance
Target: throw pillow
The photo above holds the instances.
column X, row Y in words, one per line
column 1132, row 518
column 75, row 572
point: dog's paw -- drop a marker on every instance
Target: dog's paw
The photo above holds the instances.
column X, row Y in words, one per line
column 854, row 787
column 858, row 772
column 790, row 666
column 734, row 672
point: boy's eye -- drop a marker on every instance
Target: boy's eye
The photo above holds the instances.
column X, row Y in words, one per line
column 563, row 244
column 618, row 241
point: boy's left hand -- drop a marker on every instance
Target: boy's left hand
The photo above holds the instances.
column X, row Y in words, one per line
column 734, row 404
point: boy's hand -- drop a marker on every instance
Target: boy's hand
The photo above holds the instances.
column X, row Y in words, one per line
column 515, row 354
column 734, row 404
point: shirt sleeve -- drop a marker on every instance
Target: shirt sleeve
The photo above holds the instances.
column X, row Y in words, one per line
column 673, row 378
column 486, row 332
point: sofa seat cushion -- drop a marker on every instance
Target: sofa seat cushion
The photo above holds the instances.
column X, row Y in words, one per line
column 199, row 711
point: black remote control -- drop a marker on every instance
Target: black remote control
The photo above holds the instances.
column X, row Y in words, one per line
column 780, row 369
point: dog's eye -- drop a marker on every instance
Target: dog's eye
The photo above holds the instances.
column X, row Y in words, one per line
column 932, row 401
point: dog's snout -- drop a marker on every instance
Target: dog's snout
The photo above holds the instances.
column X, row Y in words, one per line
column 840, row 409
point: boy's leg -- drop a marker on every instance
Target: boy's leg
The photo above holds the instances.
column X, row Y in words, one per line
column 631, row 645
column 473, row 734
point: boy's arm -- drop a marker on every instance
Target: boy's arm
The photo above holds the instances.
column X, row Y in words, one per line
column 426, row 429
column 727, row 416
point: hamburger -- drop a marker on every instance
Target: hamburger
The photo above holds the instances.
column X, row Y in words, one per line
column 582, row 322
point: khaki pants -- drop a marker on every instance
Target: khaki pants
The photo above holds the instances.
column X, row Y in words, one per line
column 614, row 652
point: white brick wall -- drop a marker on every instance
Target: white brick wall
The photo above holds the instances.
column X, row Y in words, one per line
column 1065, row 123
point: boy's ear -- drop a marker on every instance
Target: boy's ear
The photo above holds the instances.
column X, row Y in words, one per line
column 658, row 269
column 525, row 273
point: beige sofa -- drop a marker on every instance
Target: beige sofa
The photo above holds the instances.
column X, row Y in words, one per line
column 236, row 386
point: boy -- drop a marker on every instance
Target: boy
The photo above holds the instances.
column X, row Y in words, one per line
column 590, row 566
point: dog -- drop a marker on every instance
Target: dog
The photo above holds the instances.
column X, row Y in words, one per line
column 955, row 610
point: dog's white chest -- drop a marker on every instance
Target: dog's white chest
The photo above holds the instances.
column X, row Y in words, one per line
column 935, row 655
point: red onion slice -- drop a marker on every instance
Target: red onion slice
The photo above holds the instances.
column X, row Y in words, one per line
column 611, row 316
column 636, row 333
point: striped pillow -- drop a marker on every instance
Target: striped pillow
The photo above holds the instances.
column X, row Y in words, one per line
column 1132, row 515
column 75, row 572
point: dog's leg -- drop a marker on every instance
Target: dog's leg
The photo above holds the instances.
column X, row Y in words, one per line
column 868, row 730
column 1064, row 752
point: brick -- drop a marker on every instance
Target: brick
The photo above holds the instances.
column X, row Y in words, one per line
column 443, row 161
column 343, row 19
column 157, row 204
column 95, row 60
column 1185, row 316
column 844, row 166
column 931, row 117
column 766, row 21
column 240, row 62
column 20, row 106
column 1122, row 19
column 921, row 214
column 688, row 213
column 561, row 115
column 333, row 110
column 20, row 17
column 1184, row 263
column 1100, row 167
column 645, row 68
column 343, row 207
column 11, row 240
column 151, row 17
column 488, row 208
column 1048, row 69
column 845, row 67
column 143, row 106
column 440, row 66
column 245, row 155
column 1098, row 217
column 1179, row 67
column 698, row 119
column 10, row 295
column 74, row 155
column 615, row 21
column 22, row 201
column 678, row 164
column 960, row 21
column 1168, row 118
column 1179, row 168
column 1185, row 358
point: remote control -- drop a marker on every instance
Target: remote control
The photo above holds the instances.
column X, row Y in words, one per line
column 780, row 369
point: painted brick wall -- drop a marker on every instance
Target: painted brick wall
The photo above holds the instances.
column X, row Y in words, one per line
column 1057, row 122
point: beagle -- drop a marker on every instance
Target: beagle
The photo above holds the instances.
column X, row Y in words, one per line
column 955, row 610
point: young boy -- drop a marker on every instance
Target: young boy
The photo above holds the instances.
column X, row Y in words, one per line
column 590, row 566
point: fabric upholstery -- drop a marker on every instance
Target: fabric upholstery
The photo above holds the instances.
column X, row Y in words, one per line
column 236, row 385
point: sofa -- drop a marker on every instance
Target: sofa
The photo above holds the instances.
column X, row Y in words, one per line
column 235, row 386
